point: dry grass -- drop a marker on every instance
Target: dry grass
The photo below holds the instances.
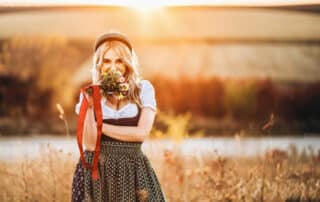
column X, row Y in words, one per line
column 46, row 178
column 276, row 176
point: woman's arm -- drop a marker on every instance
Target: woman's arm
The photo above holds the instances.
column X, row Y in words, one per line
column 129, row 133
column 132, row 133
column 90, row 130
column 125, row 133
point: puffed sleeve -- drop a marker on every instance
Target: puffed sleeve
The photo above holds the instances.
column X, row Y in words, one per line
column 147, row 95
column 77, row 106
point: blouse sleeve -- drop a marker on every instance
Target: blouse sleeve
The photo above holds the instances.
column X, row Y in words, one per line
column 148, row 95
column 77, row 106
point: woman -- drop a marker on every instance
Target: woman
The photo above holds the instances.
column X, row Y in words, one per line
column 125, row 172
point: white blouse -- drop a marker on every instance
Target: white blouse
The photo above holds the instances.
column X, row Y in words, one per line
column 147, row 96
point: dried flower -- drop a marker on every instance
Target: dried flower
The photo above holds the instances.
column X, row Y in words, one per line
column 62, row 117
column 112, row 82
column 60, row 109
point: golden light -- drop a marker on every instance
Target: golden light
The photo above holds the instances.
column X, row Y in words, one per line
column 145, row 5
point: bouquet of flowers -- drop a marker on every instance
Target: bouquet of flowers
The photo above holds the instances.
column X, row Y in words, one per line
column 112, row 82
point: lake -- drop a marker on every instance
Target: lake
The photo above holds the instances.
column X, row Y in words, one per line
column 13, row 148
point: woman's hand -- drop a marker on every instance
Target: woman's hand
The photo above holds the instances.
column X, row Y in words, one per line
column 132, row 133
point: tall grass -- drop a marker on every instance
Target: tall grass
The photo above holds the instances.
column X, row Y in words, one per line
column 278, row 175
column 174, row 126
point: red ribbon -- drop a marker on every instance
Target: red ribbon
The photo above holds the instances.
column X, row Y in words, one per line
column 98, row 115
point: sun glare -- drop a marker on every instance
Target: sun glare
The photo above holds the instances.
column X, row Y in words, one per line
column 145, row 5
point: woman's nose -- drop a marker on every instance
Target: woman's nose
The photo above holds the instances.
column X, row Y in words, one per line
column 113, row 66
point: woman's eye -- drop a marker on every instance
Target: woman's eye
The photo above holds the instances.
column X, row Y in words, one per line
column 119, row 62
column 106, row 61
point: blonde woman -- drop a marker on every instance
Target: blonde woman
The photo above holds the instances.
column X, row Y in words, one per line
column 125, row 172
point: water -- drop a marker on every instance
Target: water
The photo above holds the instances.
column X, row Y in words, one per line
column 13, row 148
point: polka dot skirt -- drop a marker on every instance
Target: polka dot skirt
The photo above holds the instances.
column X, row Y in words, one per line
column 78, row 183
column 125, row 174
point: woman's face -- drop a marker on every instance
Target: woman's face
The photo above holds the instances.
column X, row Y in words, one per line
column 111, row 61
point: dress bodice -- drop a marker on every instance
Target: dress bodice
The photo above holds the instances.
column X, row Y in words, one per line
column 127, row 121
column 127, row 115
column 147, row 96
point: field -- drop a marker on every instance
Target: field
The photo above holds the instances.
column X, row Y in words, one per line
column 280, row 45
column 175, row 24
column 245, row 42
column 277, row 176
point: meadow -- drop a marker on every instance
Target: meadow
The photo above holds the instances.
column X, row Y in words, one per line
column 276, row 175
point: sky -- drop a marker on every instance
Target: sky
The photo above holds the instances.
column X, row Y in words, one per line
column 155, row 3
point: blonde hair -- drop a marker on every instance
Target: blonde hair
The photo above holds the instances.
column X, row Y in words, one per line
column 131, row 61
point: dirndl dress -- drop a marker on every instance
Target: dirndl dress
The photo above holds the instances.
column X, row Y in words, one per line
column 126, row 173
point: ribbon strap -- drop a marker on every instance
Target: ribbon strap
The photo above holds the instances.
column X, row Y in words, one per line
column 98, row 116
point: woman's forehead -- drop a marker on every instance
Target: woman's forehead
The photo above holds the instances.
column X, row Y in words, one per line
column 110, row 53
